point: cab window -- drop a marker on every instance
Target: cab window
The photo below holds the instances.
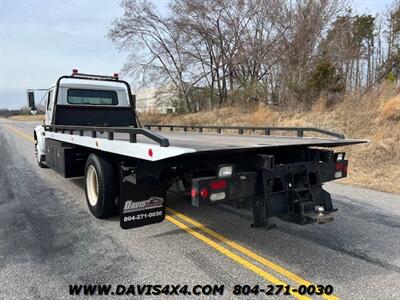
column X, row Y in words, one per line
column 49, row 95
column 91, row 97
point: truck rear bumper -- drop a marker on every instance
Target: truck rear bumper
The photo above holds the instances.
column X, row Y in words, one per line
column 292, row 192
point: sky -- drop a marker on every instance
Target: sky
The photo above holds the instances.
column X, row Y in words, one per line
column 41, row 40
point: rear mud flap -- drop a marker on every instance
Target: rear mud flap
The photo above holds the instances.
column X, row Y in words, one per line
column 141, row 204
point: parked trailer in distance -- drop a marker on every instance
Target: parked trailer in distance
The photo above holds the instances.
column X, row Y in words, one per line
column 91, row 129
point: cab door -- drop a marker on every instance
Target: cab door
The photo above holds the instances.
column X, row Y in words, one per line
column 49, row 106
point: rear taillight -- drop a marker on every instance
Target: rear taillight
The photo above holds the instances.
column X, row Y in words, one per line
column 194, row 192
column 218, row 185
column 341, row 169
column 204, row 193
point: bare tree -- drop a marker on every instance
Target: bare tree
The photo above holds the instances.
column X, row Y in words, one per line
column 155, row 45
column 215, row 52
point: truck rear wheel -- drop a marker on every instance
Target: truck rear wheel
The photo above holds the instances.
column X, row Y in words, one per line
column 100, row 186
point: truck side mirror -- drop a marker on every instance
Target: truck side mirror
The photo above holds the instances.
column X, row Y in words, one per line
column 31, row 101
column 134, row 101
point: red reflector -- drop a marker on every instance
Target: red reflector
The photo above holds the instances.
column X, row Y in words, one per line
column 150, row 152
column 74, row 71
column 194, row 192
column 340, row 166
column 116, row 75
column 204, row 193
column 218, row 185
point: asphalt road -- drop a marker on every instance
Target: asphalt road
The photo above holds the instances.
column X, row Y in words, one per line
column 48, row 240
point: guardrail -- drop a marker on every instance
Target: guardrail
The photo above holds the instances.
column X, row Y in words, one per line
column 266, row 130
column 133, row 132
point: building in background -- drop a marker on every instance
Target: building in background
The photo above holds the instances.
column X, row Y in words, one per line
column 155, row 100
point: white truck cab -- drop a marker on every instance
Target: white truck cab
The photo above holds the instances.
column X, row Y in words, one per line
column 77, row 95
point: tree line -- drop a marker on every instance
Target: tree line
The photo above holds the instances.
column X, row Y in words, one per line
column 212, row 53
column 5, row 112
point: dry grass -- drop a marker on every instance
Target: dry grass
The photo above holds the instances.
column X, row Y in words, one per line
column 390, row 110
column 27, row 118
column 375, row 117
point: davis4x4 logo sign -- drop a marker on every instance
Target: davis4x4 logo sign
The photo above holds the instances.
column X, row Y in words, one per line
column 143, row 212
column 152, row 202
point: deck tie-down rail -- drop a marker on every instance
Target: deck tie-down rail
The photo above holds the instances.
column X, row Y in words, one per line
column 266, row 130
column 132, row 131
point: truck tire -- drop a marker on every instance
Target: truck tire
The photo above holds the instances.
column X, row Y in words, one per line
column 100, row 186
column 39, row 158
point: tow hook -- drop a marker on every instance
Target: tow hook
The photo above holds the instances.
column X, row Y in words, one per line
column 320, row 210
column 319, row 215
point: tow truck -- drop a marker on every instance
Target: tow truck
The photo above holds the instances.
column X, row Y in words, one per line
column 91, row 130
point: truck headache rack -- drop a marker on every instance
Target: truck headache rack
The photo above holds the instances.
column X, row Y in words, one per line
column 266, row 130
column 162, row 141
column 94, row 77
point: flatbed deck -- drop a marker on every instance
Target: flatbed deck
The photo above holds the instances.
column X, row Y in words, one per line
column 133, row 142
column 214, row 141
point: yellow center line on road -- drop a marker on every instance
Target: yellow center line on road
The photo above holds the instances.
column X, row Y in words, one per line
column 270, row 278
column 20, row 133
column 247, row 264
column 247, row 252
